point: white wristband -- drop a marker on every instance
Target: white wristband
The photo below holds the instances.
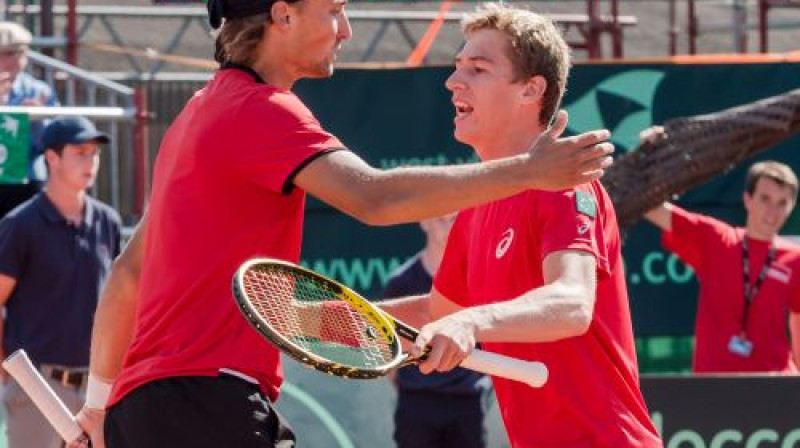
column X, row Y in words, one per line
column 97, row 393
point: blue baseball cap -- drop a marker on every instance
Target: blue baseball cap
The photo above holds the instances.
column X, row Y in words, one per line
column 64, row 130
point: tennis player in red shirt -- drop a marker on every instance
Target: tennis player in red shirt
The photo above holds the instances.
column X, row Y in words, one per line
column 173, row 361
column 537, row 275
column 749, row 277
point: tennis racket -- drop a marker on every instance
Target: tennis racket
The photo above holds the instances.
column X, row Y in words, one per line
column 19, row 366
column 331, row 328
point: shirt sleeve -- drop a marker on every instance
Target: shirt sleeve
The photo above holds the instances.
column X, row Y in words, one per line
column 279, row 137
column 691, row 236
column 794, row 299
column 12, row 248
column 573, row 220
column 794, row 290
column 450, row 279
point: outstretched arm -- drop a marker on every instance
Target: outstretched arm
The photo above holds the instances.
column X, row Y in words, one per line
column 384, row 197
column 661, row 216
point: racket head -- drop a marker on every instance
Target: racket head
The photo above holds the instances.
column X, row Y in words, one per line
column 316, row 320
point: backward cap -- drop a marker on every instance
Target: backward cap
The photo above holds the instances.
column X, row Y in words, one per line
column 13, row 36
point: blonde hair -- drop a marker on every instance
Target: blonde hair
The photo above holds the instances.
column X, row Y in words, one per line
column 238, row 39
column 536, row 48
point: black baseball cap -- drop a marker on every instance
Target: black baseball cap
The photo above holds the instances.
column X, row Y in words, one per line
column 236, row 9
column 63, row 130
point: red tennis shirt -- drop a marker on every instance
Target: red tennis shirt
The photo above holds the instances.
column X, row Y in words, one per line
column 495, row 253
column 222, row 193
column 714, row 250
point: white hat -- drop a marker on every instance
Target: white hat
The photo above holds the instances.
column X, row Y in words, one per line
column 13, row 36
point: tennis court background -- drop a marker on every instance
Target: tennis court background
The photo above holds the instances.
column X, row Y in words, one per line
column 404, row 116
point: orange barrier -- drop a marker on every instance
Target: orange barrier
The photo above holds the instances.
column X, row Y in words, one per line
column 417, row 56
column 709, row 59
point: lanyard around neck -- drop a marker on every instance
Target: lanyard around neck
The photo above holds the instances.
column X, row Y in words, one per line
column 750, row 291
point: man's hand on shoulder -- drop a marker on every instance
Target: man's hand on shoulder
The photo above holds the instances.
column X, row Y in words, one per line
column 561, row 163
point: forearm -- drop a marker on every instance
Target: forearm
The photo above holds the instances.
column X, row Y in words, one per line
column 661, row 216
column 378, row 197
column 412, row 310
column 549, row 313
column 114, row 324
column 410, row 194
column 115, row 318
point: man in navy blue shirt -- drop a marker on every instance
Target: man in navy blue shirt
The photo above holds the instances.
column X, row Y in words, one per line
column 439, row 410
column 56, row 250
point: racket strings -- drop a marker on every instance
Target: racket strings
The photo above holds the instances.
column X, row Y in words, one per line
column 312, row 316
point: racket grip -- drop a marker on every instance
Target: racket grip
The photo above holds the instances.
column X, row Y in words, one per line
column 531, row 373
column 19, row 366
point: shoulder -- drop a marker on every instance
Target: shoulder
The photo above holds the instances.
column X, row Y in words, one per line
column 252, row 102
column 281, row 113
column 279, row 104
column 788, row 246
column 28, row 82
column 105, row 211
column 23, row 220
column 24, row 212
column 590, row 199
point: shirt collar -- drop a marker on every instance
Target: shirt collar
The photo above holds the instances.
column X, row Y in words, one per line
column 52, row 214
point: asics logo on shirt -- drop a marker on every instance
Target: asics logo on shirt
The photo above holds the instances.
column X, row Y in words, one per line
column 505, row 243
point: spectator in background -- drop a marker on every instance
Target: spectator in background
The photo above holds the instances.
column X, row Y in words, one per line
column 55, row 252
column 749, row 276
column 440, row 410
column 19, row 88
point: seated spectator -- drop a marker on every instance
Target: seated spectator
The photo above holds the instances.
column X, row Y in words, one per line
column 19, row 88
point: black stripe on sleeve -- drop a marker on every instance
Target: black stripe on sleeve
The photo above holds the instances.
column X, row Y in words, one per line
column 288, row 184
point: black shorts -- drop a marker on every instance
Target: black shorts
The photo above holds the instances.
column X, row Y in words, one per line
column 196, row 412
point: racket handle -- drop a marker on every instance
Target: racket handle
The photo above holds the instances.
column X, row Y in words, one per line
column 19, row 366
column 531, row 373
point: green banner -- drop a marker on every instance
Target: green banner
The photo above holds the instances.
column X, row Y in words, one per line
column 14, row 152
column 404, row 117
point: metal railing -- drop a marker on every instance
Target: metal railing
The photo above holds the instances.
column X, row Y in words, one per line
column 114, row 108
column 110, row 19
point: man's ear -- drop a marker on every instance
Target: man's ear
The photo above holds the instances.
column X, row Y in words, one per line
column 746, row 200
column 49, row 156
column 534, row 89
column 279, row 13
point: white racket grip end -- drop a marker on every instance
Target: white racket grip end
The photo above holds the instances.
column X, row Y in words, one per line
column 20, row 367
column 531, row 373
